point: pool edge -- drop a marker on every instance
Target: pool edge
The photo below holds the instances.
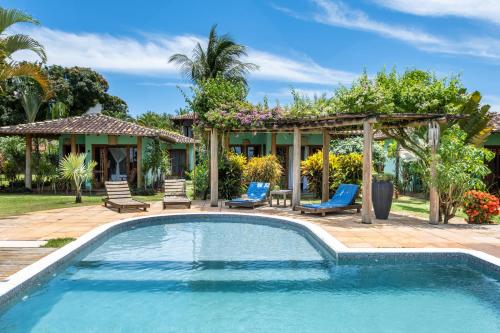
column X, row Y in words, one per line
column 43, row 268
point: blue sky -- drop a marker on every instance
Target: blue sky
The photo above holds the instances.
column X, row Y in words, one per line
column 311, row 46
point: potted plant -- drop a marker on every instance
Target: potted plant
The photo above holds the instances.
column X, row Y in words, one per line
column 382, row 192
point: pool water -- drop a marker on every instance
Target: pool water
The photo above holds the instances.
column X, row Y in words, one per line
column 243, row 277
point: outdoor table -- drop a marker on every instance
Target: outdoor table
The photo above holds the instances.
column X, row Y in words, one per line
column 278, row 194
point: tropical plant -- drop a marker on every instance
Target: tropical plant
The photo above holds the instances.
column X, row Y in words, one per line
column 480, row 206
column 199, row 176
column 231, row 168
column 12, row 152
column 58, row 110
column 32, row 98
column 220, row 58
column 265, row 169
column 460, row 168
column 156, row 163
column 155, row 120
column 73, row 167
column 212, row 94
column 10, row 44
column 355, row 145
column 46, row 171
column 342, row 169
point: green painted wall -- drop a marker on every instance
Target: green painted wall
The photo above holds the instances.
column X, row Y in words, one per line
column 90, row 140
column 493, row 140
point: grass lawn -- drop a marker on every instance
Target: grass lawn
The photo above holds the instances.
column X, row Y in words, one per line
column 420, row 207
column 16, row 204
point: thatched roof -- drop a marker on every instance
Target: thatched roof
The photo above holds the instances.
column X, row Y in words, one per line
column 91, row 124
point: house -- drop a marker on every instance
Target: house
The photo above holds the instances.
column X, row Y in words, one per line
column 119, row 147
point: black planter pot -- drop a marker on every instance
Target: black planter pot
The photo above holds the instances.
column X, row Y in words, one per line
column 382, row 192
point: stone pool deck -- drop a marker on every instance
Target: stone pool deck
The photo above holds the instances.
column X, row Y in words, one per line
column 400, row 231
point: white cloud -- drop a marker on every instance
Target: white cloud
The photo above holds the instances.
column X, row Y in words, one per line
column 149, row 56
column 336, row 13
column 486, row 10
column 339, row 14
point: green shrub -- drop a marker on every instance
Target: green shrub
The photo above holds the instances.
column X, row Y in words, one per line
column 343, row 169
column 199, row 176
column 231, row 168
column 263, row 169
column 355, row 145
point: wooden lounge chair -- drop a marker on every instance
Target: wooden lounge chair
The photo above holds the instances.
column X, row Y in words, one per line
column 257, row 194
column 175, row 193
column 119, row 197
column 343, row 199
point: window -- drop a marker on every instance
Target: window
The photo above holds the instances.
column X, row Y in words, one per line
column 248, row 150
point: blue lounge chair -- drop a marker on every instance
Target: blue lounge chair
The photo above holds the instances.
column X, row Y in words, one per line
column 342, row 199
column 257, row 194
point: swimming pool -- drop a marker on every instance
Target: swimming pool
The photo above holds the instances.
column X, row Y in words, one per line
column 249, row 274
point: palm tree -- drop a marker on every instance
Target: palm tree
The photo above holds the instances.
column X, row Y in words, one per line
column 74, row 168
column 221, row 57
column 31, row 98
column 9, row 44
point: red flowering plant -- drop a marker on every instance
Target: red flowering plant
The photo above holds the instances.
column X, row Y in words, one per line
column 480, row 206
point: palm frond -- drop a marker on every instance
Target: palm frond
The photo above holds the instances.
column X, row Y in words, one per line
column 9, row 17
column 21, row 42
column 26, row 70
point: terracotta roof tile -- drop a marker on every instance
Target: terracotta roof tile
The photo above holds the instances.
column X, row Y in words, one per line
column 185, row 116
column 495, row 122
column 92, row 124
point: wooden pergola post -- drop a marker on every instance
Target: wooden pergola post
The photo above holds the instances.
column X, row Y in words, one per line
column 27, row 173
column 73, row 144
column 139, row 162
column 296, row 167
column 273, row 144
column 325, row 185
column 366, row 208
column 433, row 192
column 214, row 169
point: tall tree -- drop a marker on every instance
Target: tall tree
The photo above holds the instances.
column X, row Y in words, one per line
column 10, row 44
column 221, row 57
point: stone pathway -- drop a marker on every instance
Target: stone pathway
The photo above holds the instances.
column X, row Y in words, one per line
column 398, row 232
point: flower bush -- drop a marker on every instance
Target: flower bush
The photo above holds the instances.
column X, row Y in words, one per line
column 263, row 169
column 480, row 206
column 242, row 114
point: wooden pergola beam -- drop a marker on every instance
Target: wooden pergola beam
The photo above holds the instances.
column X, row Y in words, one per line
column 214, row 169
column 433, row 192
column 366, row 209
column 325, row 184
column 296, row 167
column 27, row 172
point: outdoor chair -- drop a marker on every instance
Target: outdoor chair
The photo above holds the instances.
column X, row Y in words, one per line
column 343, row 199
column 257, row 194
column 175, row 193
column 119, row 197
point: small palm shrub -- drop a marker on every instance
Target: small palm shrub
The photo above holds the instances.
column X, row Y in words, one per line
column 231, row 168
column 200, row 178
column 74, row 168
column 343, row 169
column 263, row 169
column 480, row 206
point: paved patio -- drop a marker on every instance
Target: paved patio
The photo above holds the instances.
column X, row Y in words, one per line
column 398, row 232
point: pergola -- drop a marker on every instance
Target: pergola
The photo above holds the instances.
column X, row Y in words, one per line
column 333, row 125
